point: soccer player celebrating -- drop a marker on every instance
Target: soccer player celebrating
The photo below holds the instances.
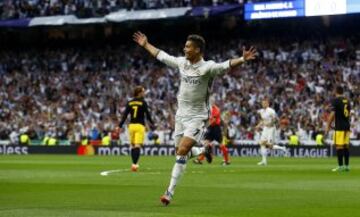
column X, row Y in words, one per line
column 267, row 123
column 193, row 110
column 341, row 114
column 138, row 109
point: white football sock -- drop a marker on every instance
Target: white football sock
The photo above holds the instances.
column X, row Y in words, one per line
column 279, row 147
column 263, row 153
column 177, row 171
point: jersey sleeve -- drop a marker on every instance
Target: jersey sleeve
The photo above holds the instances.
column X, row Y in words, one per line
column 168, row 59
column 274, row 115
column 219, row 68
column 259, row 111
column 147, row 113
column 333, row 105
column 124, row 116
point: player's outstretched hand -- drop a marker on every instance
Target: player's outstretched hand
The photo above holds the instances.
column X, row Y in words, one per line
column 249, row 54
column 140, row 38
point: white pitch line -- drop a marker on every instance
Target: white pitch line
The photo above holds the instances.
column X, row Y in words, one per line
column 197, row 172
column 105, row 173
column 148, row 171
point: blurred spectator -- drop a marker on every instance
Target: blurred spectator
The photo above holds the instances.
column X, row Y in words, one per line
column 79, row 93
column 17, row 9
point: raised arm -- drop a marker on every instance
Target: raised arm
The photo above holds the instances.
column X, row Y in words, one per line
column 219, row 68
column 162, row 56
column 142, row 40
column 247, row 55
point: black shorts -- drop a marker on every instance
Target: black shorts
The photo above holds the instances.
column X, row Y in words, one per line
column 213, row 133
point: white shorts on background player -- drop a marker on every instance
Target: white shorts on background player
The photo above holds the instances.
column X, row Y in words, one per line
column 268, row 115
column 268, row 135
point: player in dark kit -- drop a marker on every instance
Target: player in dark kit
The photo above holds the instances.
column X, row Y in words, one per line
column 138, row 109
column 340, row 107
column 213, row 133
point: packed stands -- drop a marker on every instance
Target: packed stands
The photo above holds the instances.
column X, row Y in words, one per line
column 68, row 92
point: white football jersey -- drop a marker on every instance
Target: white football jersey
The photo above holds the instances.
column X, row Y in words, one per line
column 268, row 116
column 195, row 84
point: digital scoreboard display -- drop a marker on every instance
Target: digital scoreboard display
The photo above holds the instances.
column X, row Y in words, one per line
column 324, row 7
column 267, row 10
column 300, row 8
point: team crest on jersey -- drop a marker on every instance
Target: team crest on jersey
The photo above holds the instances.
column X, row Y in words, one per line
column 188, row 69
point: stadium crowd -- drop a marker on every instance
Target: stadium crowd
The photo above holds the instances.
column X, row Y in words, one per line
column 71, row 93
column 15, row 9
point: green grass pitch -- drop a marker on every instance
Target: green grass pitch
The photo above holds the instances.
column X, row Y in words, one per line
column 54, row 185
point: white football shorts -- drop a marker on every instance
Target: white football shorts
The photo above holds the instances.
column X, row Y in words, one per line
column 268, row 135
column 192, row 127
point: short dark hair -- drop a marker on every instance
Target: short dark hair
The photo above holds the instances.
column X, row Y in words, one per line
column 198, row 40
column 138, row 90
column 266, row 98
column 339, row 89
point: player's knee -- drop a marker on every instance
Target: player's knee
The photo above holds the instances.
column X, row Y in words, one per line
column 182, row 151
column 185, row 145
column 137, row 146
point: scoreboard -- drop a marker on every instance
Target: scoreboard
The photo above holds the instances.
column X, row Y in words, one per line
column 300, row 8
